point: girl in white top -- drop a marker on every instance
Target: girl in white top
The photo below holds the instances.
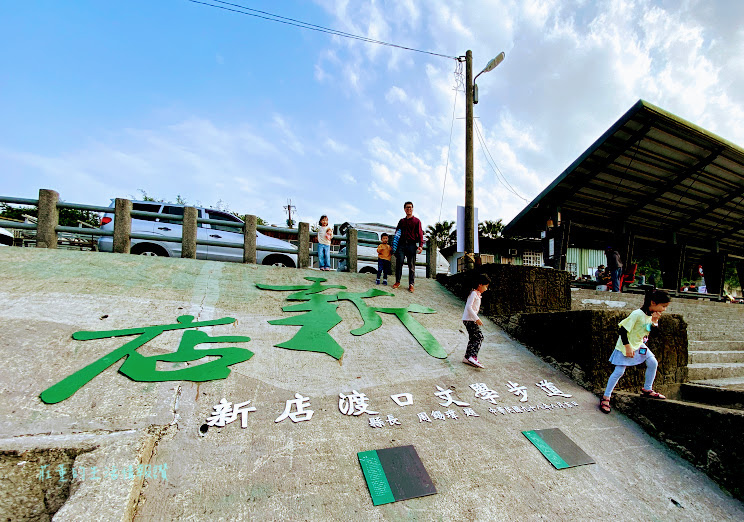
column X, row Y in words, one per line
column 473, row 323
column 325, row 234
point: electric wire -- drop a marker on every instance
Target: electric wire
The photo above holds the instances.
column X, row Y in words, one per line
column 449, row 148
column 305, row 25
column 492, row 163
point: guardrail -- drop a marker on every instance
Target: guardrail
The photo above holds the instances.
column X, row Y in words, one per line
column 47, row 229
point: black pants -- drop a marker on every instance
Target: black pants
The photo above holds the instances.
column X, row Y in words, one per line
column 407, row 250
column 475, row 338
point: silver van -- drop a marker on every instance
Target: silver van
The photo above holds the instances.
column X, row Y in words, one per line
column 172, row 228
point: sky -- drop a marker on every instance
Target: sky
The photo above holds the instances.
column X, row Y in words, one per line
column 174, row 98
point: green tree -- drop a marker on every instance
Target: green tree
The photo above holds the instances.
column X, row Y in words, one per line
column 68, row 217
column 442, row 233
column 490, row 229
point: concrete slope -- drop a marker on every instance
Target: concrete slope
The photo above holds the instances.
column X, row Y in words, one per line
column 482, row 467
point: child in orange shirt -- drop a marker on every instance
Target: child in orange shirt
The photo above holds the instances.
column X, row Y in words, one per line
column 384, row 252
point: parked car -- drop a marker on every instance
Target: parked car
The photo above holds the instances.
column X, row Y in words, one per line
column 6, row 237
column 167, row 229
column 369, row 237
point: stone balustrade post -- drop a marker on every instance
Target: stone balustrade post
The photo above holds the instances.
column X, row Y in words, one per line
column 351, row 249
column 249, row 239
column 47, row 219
column 188, row 233
column 122, row 225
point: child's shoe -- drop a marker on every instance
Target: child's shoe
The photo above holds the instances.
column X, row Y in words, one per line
column 378, row 282
column 384, row 282
column 652, row 394
column 473, row 361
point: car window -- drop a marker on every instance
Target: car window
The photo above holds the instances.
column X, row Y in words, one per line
column 366, row 235
column 224, row 216
column 146, row 207
column 178, row 211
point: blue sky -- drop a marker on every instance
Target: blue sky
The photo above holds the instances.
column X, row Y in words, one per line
column 102, row 99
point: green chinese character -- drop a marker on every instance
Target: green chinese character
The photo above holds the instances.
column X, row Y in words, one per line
column 143, row 369
column 322, row 316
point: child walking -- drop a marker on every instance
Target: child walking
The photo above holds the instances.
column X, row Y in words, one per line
column 384, row 253
column 473, row 323
column 325, row 234
column 631, row 349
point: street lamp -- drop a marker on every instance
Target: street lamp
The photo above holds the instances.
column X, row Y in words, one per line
column 470, row 93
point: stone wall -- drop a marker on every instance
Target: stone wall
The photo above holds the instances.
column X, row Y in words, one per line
column 515, row 289
column 707, row 436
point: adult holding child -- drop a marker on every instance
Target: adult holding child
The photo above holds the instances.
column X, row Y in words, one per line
column 410, row 244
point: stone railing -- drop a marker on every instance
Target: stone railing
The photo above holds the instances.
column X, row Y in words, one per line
column 47, row 229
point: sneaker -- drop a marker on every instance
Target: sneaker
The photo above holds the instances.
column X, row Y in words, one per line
column 378, row 282
column 410, row 288
column 473, row 361
column 384, row 282
column 396, row 285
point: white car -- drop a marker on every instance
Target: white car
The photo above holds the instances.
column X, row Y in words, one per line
column 166, row 229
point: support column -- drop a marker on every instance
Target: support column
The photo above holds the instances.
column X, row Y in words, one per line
column 740, row 272
column 188, row 233
column 47, row 219
column 564, row 232
column 303, row 246
column 626, row 246
column 672, row 262
column 122, row 226
column 249, row 239
column 714, row 270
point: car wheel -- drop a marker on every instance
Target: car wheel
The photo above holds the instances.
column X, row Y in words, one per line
column 368, row 270
column 149, row 250
column 278, row 260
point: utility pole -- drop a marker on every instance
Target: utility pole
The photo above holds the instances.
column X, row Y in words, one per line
column 469, row 185
column 469, row 196
column 289, row 207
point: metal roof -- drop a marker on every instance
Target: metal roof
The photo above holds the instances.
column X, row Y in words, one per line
column 657, row 174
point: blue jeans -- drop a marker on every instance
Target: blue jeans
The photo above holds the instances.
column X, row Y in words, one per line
column 324, row 256
column 616, row 275
column 407, row 250
column 651, row 365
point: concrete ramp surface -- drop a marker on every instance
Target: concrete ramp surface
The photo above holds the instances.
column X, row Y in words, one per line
column 124, row 449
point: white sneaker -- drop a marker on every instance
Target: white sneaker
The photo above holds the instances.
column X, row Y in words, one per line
column 473, row 361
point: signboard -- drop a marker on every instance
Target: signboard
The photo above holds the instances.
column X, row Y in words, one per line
column 394, row 474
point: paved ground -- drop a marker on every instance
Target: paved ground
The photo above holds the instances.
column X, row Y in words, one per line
column 483, row 467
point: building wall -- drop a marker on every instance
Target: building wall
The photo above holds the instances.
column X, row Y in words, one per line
column 586, row 260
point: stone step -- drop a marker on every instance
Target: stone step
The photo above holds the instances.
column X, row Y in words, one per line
column 706, row 371
column 727, row 382
column 713, row 356
column 711, row 335
column 714, row 345
column 720, row 396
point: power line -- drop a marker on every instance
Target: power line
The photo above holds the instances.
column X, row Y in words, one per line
column 495, row 167
column 449, row 148
column 305, row 25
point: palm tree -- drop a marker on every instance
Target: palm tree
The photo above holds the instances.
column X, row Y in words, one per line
column 490, row 229
column 441, row 232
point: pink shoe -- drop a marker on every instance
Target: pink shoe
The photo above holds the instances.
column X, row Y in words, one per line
column 473, row 361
